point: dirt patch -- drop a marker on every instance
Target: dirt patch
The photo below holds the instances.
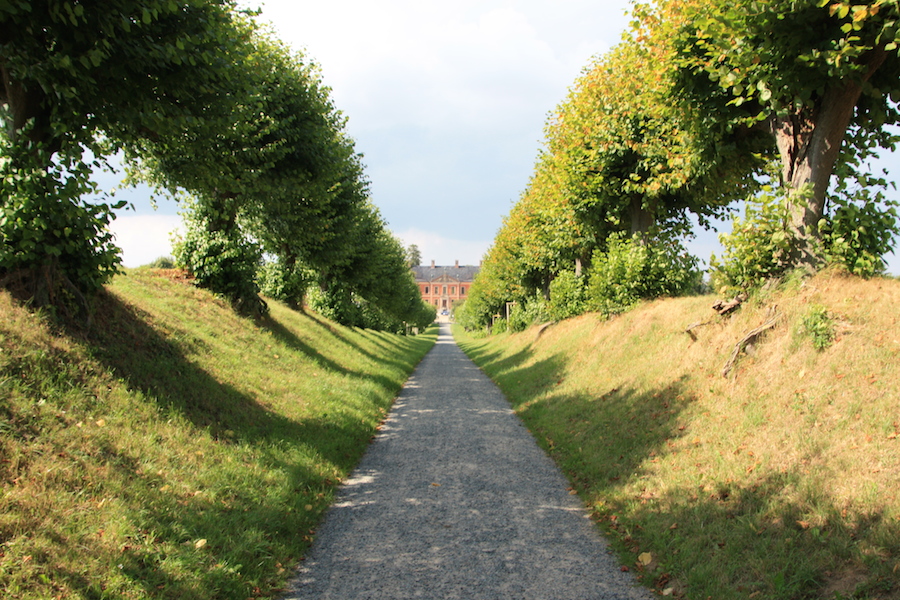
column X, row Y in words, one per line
column 179, row 275
column 844, row 583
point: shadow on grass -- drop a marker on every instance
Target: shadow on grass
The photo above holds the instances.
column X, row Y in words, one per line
column 729, row 540
column 248, row 530
column 376, row 339
column 291, row 340
column 768, row 537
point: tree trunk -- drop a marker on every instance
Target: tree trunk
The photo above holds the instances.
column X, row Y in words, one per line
column 25, row 105
column 809, row 143
column 642, row 219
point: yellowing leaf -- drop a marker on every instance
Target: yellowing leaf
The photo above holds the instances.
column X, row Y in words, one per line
column 199, row 544
column 645, row 558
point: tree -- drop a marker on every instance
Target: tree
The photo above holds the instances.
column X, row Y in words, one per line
column 621, row 158
column 413, row 255
column 375, row 271
column 79, row 76
column 628, row 156
column 806, row 72
column 273, row 164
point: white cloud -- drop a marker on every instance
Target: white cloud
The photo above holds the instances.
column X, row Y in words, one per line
column 442, row 250
column 144, row 238
column 448, row 100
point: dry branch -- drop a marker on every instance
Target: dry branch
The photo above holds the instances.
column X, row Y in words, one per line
column 695, row 326
column 746, row 340
column 723, row 308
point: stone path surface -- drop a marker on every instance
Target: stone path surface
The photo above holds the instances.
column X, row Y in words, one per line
column 454, row 499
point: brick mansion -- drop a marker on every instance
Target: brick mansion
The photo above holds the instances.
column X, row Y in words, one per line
column 442, row 286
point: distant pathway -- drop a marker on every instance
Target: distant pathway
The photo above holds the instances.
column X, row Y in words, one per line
column 455, row 500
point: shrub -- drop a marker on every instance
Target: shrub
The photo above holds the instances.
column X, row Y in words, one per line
column 335, row 305
column 55, row 248
column 280, row 282
column 163, row 262
column 567, row 296
column 757, row 247
column 632, row 269
column 499, row 326
column 858, row 236
column 819, row 326
column 425, row 316
column 858, row 230
column 525, row 314
column 223, row 261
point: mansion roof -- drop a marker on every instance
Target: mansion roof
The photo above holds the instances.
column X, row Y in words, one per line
column 456, row 273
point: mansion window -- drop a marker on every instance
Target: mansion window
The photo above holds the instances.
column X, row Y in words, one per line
column 426, row 289
column 453, row 290
column 462, row 291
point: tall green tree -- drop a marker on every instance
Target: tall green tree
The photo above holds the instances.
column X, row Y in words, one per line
column 277, row 168
column 630, row 157
column 804, row 71
column 413, row 255
column 75, row 77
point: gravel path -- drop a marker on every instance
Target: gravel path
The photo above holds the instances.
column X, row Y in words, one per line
column 455, row 500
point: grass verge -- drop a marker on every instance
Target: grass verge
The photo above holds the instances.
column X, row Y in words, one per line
column 778, row 481
column 178, row 451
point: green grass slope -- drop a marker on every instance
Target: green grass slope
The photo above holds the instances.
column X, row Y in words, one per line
column 178, row 451
column 779, row 480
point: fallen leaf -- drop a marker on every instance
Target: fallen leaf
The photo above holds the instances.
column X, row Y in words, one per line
column 101, row 423
column 668, row 591
column 199, row 544
column 436, row 484
column 645, row 558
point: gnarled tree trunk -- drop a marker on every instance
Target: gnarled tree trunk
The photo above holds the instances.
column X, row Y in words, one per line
column 809, row 143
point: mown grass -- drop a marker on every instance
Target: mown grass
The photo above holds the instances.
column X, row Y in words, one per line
column 781, row 480
column 178, row 450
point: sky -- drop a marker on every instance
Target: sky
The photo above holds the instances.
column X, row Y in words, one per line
column 447, row 102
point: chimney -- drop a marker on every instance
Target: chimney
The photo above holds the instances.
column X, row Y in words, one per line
column 457, row 264
column 432, row 264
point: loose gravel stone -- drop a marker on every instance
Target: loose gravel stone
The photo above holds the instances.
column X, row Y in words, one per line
column 454, row 499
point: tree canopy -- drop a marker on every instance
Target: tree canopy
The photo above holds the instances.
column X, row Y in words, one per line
column 686, row 116
column 77, row 76
column 206, row 105
column 807, row 72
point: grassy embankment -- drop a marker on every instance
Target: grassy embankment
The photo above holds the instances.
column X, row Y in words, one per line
column 178, row 451
column 781, row 480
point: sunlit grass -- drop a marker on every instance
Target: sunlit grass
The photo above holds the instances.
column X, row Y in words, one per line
column 779, row 481
column 178, row 451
